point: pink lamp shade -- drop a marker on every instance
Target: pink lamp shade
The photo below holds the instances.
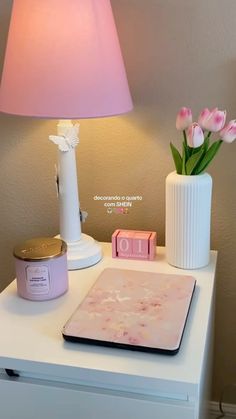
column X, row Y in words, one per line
column 63, row 60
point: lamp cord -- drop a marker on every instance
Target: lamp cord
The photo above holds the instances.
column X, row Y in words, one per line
column 221, row 401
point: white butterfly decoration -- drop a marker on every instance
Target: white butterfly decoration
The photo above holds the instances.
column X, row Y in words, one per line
column 68, row 140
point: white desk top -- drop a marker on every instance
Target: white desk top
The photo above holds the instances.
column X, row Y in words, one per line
column 31, row 339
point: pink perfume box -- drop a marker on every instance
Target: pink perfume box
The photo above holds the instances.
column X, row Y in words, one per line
column 133, row 244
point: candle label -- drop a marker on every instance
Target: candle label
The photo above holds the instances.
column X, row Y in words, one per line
column 37, row 280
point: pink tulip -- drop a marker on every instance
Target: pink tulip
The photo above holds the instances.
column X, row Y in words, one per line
column 228, row 133
column 195, row 136
column 203, row 117
column 184, row 119
column 213, row 120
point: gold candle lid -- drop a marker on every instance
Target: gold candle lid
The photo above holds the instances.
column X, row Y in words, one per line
column 41, row 248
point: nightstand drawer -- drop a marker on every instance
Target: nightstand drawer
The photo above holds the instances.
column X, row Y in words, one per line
column 31, row 399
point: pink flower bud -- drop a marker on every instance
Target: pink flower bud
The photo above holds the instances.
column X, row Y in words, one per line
column 228, row 133
column 195, row 136
column 203, row 117
column 213, row 120
column 184, row 119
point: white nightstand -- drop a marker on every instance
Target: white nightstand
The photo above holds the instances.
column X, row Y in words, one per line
column 63, row 380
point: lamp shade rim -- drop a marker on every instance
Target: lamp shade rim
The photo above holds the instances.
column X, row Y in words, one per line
column 69, row 116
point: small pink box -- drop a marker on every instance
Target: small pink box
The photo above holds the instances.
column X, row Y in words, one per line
column 132, row 244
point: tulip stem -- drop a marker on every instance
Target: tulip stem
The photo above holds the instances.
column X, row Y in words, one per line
column 185, row 137
column 207, row 141
column 208, row 135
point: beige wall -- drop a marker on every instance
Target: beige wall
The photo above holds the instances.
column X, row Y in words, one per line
column 176, row 53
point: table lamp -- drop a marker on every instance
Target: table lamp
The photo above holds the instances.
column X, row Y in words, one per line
column 63, row 61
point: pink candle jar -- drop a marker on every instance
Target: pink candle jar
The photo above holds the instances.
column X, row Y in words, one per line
column 41, row 268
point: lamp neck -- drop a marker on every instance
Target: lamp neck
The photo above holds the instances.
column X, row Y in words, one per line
column 63, row 126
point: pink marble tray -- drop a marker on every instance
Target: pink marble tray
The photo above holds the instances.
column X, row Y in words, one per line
column 133, row 310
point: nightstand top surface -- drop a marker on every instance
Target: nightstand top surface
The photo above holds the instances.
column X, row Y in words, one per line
column 31, row 339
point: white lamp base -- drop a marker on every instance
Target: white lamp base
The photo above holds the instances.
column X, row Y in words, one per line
column 83, row 253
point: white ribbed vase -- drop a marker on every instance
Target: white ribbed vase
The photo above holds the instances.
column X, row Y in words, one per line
column 188, row 220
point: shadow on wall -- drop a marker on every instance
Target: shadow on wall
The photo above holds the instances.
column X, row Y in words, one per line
column 5, row 14
column 28, row 196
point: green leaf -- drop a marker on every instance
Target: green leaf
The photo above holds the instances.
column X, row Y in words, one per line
column 196, row 149
column 187, row 150
column 210, row 154
column 184, row 158
column 177, row 159
column 190, row 151
column 193, row 150
column 193, row 161
column 206, row 143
